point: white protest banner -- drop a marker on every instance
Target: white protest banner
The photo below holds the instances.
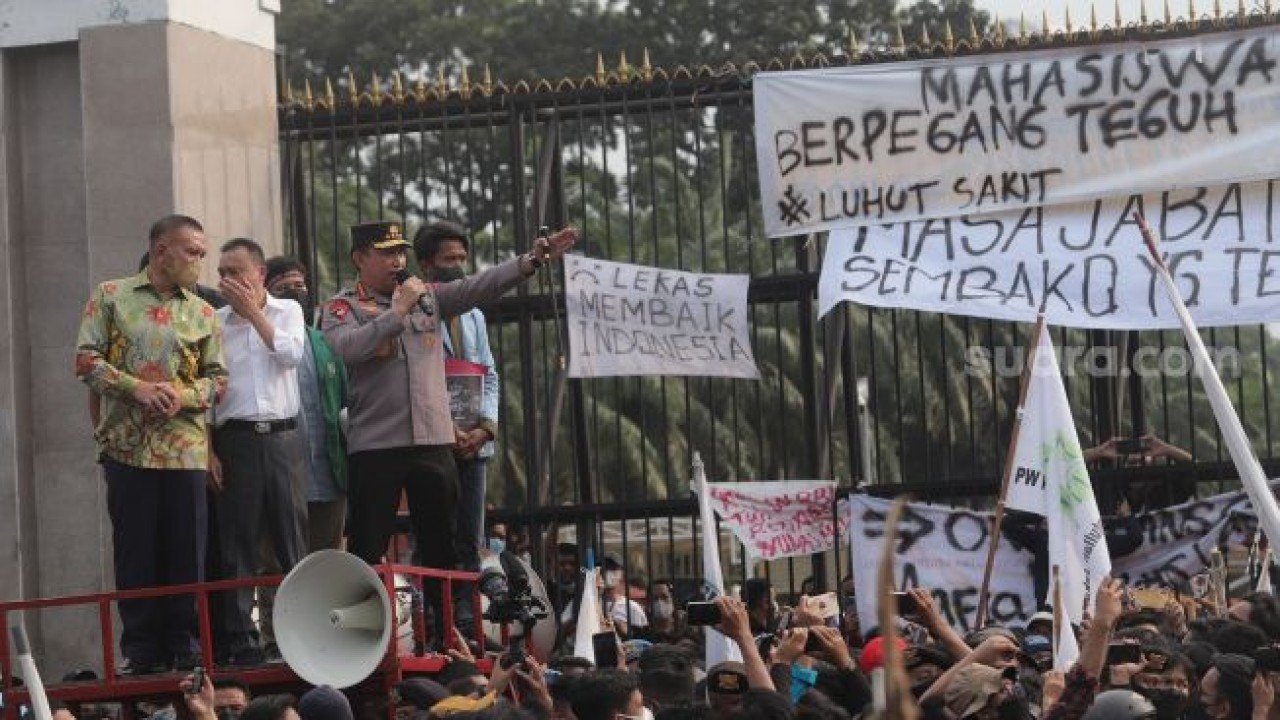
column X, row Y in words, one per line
column 634, row 320
column 1177, row 541
column 779, row 519
column 891, row 142
column 943, row 549
column 1086, row 262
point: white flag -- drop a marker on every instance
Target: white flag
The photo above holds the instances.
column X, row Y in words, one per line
column 588, row 617
column 1049, row 478
column 719, row 647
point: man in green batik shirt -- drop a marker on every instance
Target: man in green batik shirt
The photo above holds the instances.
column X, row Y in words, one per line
column 152, row 350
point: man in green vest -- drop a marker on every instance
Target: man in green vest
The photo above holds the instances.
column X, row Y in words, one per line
column 322, row 384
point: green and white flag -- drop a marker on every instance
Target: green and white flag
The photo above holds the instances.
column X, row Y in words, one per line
column 1050, row 479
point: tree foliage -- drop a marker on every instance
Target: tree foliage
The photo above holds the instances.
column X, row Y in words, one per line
column 523, row 39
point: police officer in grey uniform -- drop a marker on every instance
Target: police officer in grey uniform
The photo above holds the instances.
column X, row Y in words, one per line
column 400, row 433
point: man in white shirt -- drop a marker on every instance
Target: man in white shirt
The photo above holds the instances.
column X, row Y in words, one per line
column 627, row 614
column 261, row 491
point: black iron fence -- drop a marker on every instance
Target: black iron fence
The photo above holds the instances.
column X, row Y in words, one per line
column 658, row 168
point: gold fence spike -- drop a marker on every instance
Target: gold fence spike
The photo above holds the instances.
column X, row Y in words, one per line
column 397, row 87
column 288, row 92
column 948, row 39
column 466, row 83
column 974, row 38
column 624, row 70
column 600, row 74
column 308, row 100
column 999, row 34
column 486, row 85
column 899, row 40
column 353, row 89
column 924, row 36
column 442, row 85
column 646, row 69
column 420, row 90
column 330, row 99
column 853, row 43
column 376, row 91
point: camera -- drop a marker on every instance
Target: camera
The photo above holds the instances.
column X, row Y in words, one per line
column 511, row 600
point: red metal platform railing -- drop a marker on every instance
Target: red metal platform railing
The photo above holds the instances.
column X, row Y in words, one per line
column 115, row 688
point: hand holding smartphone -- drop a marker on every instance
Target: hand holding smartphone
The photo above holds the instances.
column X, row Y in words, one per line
column 701, row 613
column 907, row 606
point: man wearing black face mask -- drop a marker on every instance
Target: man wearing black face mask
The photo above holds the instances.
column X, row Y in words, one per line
column 322, row 385
column 442, row 251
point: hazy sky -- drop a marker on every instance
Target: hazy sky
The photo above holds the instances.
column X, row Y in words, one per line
column 1129, row 9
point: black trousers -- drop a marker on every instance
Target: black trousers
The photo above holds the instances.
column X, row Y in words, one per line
column 264, row 495
column 158, row 527
column 429, row 478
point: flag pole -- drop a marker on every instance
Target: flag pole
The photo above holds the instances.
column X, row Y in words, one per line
column 998, row 518
column 1057, row 610
column 1242, row 455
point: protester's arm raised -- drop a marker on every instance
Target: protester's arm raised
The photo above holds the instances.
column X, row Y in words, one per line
column 736, row 625
column 937, row 625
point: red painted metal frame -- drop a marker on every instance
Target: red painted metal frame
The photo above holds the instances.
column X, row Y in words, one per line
column 114, row 688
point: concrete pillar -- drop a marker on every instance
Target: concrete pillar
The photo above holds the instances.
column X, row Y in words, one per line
column 114, row 114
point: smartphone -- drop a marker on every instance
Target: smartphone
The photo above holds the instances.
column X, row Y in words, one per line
column 605, row 645
column 1268, row 658
column 1132, row 446
column 552, row 676
column 812, row 643
column 906, row 604
column 700, row 613
column 1122, row 653
column 826, row 605
column 197, row 681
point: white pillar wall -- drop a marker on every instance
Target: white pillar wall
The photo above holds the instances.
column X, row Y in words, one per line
column 111, row 116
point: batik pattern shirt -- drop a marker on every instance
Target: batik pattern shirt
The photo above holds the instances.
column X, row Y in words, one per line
column 130, row 334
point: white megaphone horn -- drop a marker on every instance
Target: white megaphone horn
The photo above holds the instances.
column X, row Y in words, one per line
column 332, row 619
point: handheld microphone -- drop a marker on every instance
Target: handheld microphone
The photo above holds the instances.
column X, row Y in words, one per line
column 425, row 302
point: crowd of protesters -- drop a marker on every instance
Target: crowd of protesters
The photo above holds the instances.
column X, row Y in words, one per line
column 1134, row 661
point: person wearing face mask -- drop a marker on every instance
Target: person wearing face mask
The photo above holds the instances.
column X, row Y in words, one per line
column 662, row 609
column 322, row 387
column 627, row 614
column 151, row 350
column 1164, row 678
column 400, row 434
column 442, row 250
